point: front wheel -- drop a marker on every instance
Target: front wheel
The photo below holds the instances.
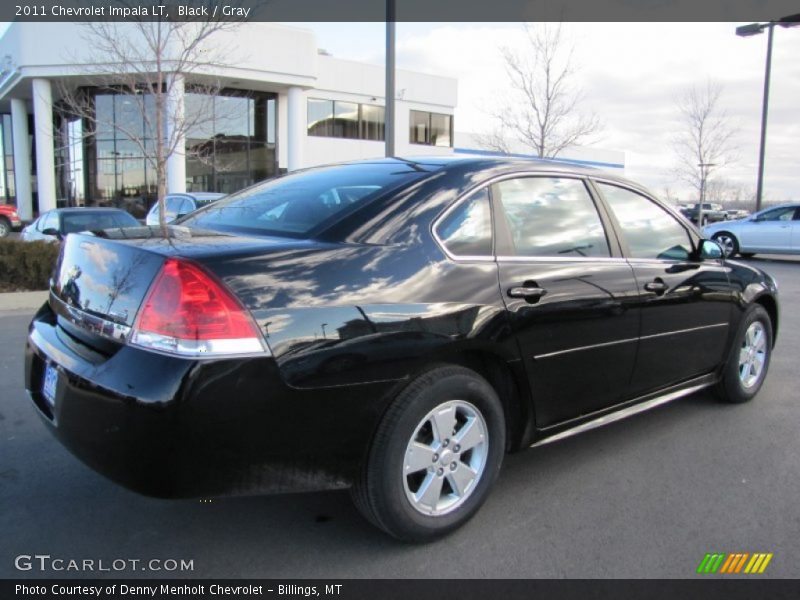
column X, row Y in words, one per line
column 748, row 363
column 5, row 227
column 434, row 457
column 729, row 243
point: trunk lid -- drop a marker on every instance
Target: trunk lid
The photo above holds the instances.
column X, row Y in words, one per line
column 102, row 279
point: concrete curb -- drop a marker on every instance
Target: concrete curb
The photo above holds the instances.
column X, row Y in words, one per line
column 13, row 301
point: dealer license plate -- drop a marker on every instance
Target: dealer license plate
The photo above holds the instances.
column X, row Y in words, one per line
column 49, row 384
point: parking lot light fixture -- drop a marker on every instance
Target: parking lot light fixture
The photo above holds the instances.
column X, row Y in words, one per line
column 748, row 31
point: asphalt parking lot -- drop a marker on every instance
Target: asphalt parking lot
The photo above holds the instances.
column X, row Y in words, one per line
column 643, row 498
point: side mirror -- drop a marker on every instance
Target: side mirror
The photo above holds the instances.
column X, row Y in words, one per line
column 52, row 232
column 710, row 250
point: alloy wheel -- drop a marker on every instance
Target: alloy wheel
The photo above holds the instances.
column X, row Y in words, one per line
column 445, row 458
column 753, row 354
column 727, row 242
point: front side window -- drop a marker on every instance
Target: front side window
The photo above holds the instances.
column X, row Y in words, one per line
column 649, row 230
column 48, row 221
column 551, row 216
column 778, row 214
column 467, row 229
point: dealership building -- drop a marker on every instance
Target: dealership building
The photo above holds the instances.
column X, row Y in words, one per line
column 279, row 103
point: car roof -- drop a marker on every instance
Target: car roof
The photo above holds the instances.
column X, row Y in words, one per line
column 479, row 162
column 784, row 205
column 88, row 209
column 197, row 195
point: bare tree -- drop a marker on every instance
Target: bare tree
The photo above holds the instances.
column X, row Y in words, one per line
column 704, row 144
column 494, row 140
column 542, row 109
column 150, row 62
column 669, row 197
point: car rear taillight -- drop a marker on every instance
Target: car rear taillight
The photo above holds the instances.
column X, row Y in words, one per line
column 189, row 313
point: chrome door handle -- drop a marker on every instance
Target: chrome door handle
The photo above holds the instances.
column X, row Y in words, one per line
column 526, row 292
column 657, row 286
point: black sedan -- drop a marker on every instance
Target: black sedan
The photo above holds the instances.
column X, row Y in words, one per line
column 390, row 326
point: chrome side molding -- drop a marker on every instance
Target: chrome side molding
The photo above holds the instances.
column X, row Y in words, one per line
column 622, row 414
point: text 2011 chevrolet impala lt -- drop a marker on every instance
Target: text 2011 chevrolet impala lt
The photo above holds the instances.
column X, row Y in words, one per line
column 393, row 326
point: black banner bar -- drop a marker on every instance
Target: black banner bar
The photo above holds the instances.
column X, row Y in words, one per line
column 403, row 589
column 406, row 10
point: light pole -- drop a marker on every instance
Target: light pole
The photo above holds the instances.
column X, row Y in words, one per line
column 389, row 108
column 704, row 167
column 757, row 29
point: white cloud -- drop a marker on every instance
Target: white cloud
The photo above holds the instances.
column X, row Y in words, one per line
column 632, row 73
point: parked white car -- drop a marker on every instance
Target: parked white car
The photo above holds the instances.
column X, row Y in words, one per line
column 774, row 230
column 178, row 205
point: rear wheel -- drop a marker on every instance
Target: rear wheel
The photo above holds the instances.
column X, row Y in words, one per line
column 435, row 456
column 729, row 243
column 5, row 227
column 748, row 363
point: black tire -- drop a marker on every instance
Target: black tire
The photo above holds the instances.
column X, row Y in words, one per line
column 731, row 387
column 5, row 227
column 380, row 491
column 728, row 242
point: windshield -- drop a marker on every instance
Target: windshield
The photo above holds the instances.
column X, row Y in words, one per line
column 297, row 205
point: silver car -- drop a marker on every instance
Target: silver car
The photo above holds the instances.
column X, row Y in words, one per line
column 55, row 224
column 774, row 230
column 178, row 205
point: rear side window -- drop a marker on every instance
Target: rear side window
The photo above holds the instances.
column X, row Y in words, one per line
column 74, row 223
column 299, row 204
column 552, row 216
column 467, row 229
column 649, row 230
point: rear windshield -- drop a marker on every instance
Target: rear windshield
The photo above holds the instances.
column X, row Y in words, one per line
column 77, row 222
column 301, row 204
column 204, row 201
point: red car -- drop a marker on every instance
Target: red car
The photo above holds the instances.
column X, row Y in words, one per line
column 9, row 219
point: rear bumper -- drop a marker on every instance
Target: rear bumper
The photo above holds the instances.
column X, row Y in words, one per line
column 171, row 427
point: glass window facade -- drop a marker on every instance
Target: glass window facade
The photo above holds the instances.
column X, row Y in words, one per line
column 373, row 122
column 431, row 129
column 350, row 120
column 230, row 144
column 231, row 141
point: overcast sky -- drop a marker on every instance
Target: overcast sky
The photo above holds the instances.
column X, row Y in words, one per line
column 631, row 72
